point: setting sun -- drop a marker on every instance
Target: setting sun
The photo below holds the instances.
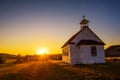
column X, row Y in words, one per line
column 42, row 51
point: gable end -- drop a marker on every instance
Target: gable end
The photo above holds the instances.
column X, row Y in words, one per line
column 94, row 42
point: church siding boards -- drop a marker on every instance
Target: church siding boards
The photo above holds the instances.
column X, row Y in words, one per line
column 80, row 44
column 66, row 54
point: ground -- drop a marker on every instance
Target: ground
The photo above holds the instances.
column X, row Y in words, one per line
column 57, row 70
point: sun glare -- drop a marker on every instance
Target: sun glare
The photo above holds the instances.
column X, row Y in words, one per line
column 42, row 51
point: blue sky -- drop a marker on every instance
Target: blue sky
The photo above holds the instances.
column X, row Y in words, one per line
column 50, row 23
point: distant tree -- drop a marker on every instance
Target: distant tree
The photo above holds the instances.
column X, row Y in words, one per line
column 19, row 58
column 2, row 59
column 27, row 58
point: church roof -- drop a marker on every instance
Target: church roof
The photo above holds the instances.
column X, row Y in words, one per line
column 89, row 42
column 69, row 41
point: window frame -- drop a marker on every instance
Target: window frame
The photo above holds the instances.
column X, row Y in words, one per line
column 65, row 52
column 93, row 51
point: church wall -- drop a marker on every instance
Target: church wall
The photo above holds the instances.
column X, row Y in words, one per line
column 74, row 54
column 66, row 51
column 86, row 54
column 82, row 54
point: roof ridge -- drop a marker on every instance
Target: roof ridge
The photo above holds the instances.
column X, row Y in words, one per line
column 71, row 38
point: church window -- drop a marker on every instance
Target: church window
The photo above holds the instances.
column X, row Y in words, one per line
column 65, row 52
column 93, row 51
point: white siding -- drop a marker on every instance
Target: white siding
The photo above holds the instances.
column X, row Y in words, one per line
column 66, row 58
column 74, row 54
column 85, row 34
column 86, row 55
column 82, row 55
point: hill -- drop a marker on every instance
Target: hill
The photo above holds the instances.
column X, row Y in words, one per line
column 8, row 56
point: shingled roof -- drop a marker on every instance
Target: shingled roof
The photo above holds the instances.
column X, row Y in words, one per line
column 69, row 41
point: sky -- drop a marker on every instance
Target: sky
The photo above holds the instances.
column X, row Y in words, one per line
column 29, row 25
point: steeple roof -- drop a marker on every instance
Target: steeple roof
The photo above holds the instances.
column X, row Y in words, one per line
column 84, row 21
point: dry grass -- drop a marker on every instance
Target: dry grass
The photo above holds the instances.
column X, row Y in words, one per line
column 57, row 70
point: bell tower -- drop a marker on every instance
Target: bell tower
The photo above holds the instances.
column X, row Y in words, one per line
column 84, row 22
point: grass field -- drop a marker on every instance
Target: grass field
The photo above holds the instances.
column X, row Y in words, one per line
column 57, row 70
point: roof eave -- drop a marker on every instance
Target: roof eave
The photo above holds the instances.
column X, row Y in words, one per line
column 67, row 44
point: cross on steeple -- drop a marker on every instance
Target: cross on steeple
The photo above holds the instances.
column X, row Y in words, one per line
column 84, row 22
column 83, row 16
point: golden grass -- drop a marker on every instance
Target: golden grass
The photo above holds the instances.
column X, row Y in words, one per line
column 57, row 70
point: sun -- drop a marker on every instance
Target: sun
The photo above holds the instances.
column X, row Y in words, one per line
column 42, row 51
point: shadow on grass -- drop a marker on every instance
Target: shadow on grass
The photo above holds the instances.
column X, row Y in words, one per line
column 52, row 71
column 109, row 67
column 109, row 70
column 61, row 71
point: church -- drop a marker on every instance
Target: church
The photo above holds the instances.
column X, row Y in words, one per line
column 85, row 47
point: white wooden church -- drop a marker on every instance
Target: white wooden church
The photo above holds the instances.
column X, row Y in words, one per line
column 85, row 47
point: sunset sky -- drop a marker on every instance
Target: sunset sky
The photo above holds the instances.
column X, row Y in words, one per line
column 29, row 25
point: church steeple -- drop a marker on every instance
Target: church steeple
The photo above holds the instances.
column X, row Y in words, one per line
column 84, row 22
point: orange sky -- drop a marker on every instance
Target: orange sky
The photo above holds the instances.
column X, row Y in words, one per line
column 30, row 25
